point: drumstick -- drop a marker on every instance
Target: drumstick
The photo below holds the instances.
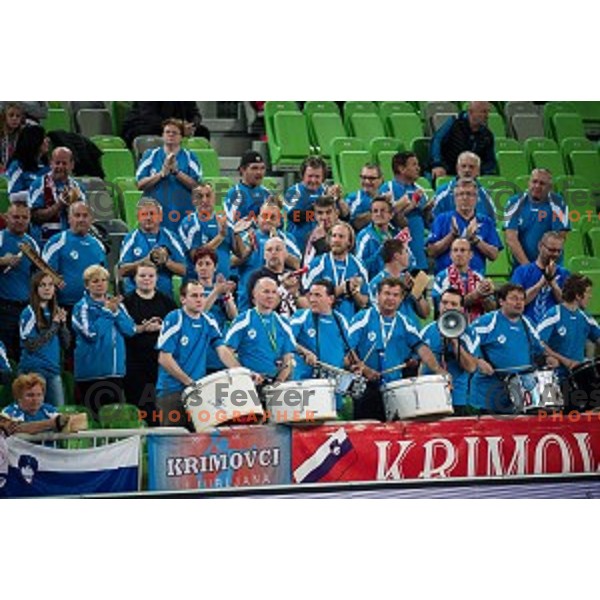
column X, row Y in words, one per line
column 334, row 369
column 391, row 370
column 515, row 370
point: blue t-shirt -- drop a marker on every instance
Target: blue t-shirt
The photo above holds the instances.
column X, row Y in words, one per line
column 415, row 218
column 527, row 276
column 324, row 335
column 243, row 200
column 187, row 340
column 510, row 346
column 531, row 219
column 460, row 378
column 486, row 230
column 138, row 244
column 71, row 254
column 174, row 197
column 566, row 331
column 260, row 341
column 383, row 342
column 337, row 271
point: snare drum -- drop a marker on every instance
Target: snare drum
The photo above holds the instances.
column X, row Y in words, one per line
column 305, row 401
column 225, row 397
column 535, row 390
column 417, row 397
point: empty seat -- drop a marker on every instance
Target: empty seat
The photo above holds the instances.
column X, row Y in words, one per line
column 195, row 143
column 512, row 108
column 209, row 161
column 357, row 106
column 505, row 143
column 512, row 163
column 144, row 142
column 405, row 127
column 350, row 164
column 312, row 107
column 574, row 245
column 366, row 126
column 344, row 144
column 384, row 144
column 105, row 142
column 496, row 124
column 552, row 108
column 57, row 119
column 538, row 143
column 289, row 145
column 569, row 144
column 593, row 236
column 583, row 263
column 565, row 125
column 94, row 121
column 526, row 126
column 117, row 163
column 389, row 108
column 587, row 164
column 550, row 160
column 438, row 119
column 325, row 127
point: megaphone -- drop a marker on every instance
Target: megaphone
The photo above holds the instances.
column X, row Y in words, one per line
column 452, row 324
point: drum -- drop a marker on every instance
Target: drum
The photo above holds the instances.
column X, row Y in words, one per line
column 586, row 378
column 535, row 390
column 226, row 397
column 311, row 400
column 417, row 397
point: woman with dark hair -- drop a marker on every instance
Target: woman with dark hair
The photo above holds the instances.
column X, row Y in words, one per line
column 43, row 330
column 29, row 160
column 12, row 118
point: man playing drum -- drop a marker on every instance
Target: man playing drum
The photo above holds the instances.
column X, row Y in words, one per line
column 565, row 328
column 506, row 343
column 184, row 338
column 383, row 340
column 263, row 340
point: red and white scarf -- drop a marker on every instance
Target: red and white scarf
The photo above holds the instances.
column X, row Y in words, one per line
column 473, row 278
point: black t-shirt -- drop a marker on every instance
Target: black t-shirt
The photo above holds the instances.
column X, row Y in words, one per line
column 140, row 347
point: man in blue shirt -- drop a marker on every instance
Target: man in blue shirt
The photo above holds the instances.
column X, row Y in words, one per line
column 566, row 327
column 463, row 222
column 542, row 279
column 71, row 252
column 184, row 338
column 468, row 166
column 528, row 216
column 205, row 229
column 153, row 241
column 51, row 195
column 343, row 269
column 246, row 197
column 383, row 340
column 456, row 354
column 15, row 275
column 359, row 203
column 507, row 342
column 169, row 173
column 370, row 240
column 410, row 202
column 263, row 340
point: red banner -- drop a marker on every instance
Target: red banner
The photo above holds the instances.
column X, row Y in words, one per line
column 465, row 447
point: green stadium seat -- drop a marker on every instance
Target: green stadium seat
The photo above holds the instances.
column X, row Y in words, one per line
column 501, row 267
column 550, row 160
column 405, row 127
column 587, row 164
column 576, row 264
column 574, row 244
column 522, row 183
column 118, row 111
column 426, row 185
column 593, row 237
column 512, row 163
column 496, row 124
column 570, row 144
column 195, row 143
column 312, row 107
column 119, row 416
column 272, row 107
column 390, row 107
column 274, row 185
column 209, row 161
column 506, row 143
column 344, row 144
column 117, row 162
column 289, row 145
column 563, row 183
column 567, row 125
column 552, row 108
column 325, row 127
column 4, row 201
column 443, row 180
column 357, row 106
column 581, row 201
column 130, row 201
column 108, row 142
column 58, row 118
column 387, row 144
column 350, row 164
column 535, row 144
column 420, row 146
column 366, row 126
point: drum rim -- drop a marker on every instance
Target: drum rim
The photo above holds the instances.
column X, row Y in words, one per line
column 223, row 373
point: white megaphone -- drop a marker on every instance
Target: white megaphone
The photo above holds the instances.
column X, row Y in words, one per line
column 452, row 324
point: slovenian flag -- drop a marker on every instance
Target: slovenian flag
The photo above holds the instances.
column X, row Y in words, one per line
column 325, row 458
column 36, row 470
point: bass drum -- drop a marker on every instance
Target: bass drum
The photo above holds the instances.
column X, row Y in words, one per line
column 425, row 396
column 584, row 386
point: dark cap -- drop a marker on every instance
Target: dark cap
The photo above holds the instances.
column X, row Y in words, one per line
column 249, row 157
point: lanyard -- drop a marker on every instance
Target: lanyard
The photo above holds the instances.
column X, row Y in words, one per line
column 386, row 338
column 272, row 335
column 337, row 280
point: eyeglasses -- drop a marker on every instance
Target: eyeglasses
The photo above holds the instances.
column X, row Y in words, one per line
column 369, row 177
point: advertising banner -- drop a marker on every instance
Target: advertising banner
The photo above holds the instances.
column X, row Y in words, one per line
column 228, row 457
column 469, row 447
